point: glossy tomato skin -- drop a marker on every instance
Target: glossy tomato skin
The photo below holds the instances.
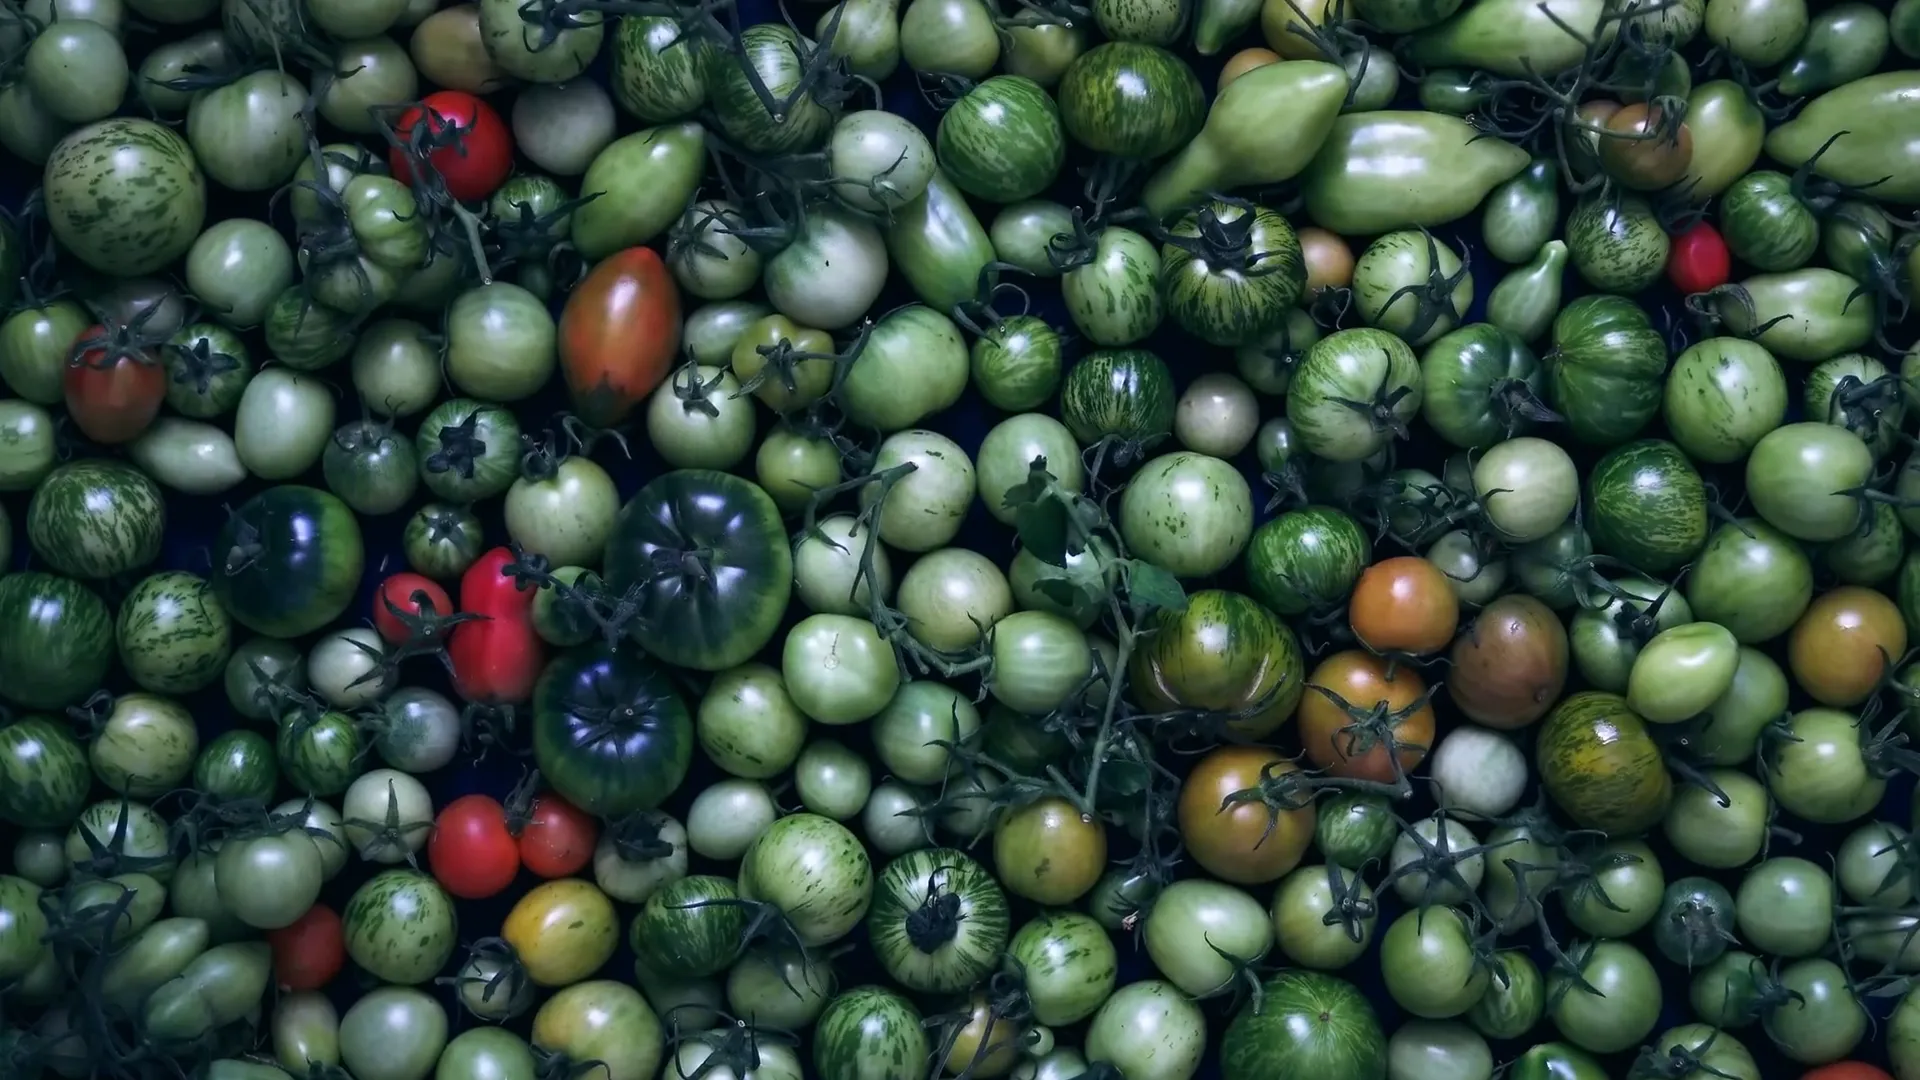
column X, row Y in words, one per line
column 1233, row 842
column 558, row 838
column 1699, row 260
column 1842, row 644
column 1337, row 742
column 1847, row 1070
column 496, row 659
column 1404, row 604
column 619, row 333
column 310, row 952
column 411, row 594
column 113, row 393
column 472, row 854
column 472, row 148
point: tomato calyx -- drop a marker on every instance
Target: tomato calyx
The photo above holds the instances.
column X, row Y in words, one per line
column 508, row 979
column 196, row 365
column 106, row 858
column 424, row 630
column 1378, row 725
column 733, row 1050
column 1678, row 1063
column 1436, row 862
column 109, row 342
column 637, row 836
column 1226, row 244
column 1284, row 789
column 390, row 833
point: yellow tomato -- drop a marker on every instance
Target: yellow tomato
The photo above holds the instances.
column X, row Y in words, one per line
column 563, row 931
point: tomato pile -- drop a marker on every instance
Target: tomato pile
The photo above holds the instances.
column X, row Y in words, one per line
column 1136, row 539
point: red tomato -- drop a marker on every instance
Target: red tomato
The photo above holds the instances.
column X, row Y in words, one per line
column 558, row 838
column 618, row 335
column 1847, row 1070
column 471, row 853
column 496, row 659
column 114, row 385
column 310, row 952
column 465, row 140
column 403, row 596
column 1699, row 260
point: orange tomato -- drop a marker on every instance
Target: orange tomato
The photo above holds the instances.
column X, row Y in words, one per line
column 1329, row 260
column 1391, row 711
column 1843, row 643
column 1404, row 604
column 1247, row 843
column 1244, row 61
column 618, row 335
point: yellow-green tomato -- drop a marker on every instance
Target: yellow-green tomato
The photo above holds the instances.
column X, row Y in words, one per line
column 605, row 1023
column 1682, row 672
column 563, row 931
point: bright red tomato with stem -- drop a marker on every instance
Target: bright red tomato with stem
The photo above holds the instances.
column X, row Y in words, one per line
column 619, row 335
column 114, row 385
column 310, row 952
column 404, row 601
column 558, row 837
column 471, row 854
column 498, row 656
column 1699, row 260
column 464, row 139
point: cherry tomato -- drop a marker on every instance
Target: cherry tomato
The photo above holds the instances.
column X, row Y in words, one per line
column 1329, row 260
column 1699, row 260
column 1244, row 61
column 114, row 385
column 496, row 659
column 558, row 837
column 1049, row 852
column 619, row 334
column 472, row 854
column 403, row 596
column 1252, row 841
column 1404, row 604
column 310, row 952
column 465, row 140
column 1352, row 740
column 1843, row 643
column 1847, row 1070
column 1648, row 151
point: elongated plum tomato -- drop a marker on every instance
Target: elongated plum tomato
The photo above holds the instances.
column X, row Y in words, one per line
column 496, row 658
column 1699, row 260
column 1843, row 643
column 1236, row 819
column 310, row 952
column 1404, row 604
column 471, row 854
column 464, row 139
column 618, row 335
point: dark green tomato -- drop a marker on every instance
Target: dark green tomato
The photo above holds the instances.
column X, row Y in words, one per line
column 1231, row 272
column 1695, row 922
column 657, row 68
column 441, row 541
column 304, row 335
column 1752, row 579
column 1856, row 392
column 1605, row 372
column 1034, row 44
column 45, row 772
column 1842, row 43
column 1647, row 506
column 1822, row 1019
column 1616, row 242
column 1904, row 25
column 208, row 368
column 735, row 568
column 95, row 518
column 1858, row 240
column 1131, row 100
column 237, row 764
column 321, row 753
column 690, row 928
column 288, row 561
column 370, row 468
column 1766, row 225
column 1307, row 1024
column 258, row 671
column 869, row 1033
column 1453, row 91
column 1016, row 363
column 779, row 56
column 1522, row 214
column 1557, row 1061
column 468, row 450
column 1123, row 393
column 610, row 733
column 56, row 640
column 1267, row 362
column 1649, row 74
column 1482, row 385
column 1003, row 141
column 1307, row 560
column 1355, row 827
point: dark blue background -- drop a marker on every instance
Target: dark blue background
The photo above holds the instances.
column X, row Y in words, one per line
column 193, row 523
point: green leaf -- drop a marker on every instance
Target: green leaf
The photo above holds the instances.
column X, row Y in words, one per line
column 1068, row 593
column 1040, row 517
column 1149, row 589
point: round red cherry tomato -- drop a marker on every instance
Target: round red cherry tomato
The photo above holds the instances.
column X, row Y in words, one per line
column 1847, row 1070
column 114, row 385
column 496, row 659
column 472, row 854
column 619, row 335
column 402, row 597
column 310, row 952
column 558, row 838
column 465, row 140
column 1699, row 260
